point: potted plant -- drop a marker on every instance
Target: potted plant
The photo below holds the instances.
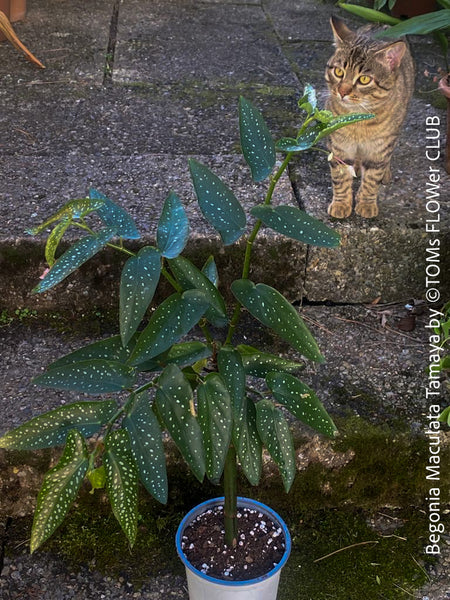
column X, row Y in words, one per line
column 199, row 391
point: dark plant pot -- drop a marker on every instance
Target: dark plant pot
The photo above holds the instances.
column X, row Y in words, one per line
column 444, row 87
column 204, row 587
column 412, row 8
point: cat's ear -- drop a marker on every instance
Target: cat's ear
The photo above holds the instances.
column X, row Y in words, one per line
column 392, row 55
column 340, row 30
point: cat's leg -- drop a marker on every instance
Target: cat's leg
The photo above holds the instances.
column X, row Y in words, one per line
column 342, row 179
column 372, row 175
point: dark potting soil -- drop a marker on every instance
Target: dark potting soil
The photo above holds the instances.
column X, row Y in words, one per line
column 260, row 546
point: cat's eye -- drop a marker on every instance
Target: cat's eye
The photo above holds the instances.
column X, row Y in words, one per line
column 339, row 72
column 365, row 79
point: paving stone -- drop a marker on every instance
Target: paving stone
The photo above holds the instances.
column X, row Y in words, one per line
column 188, row 41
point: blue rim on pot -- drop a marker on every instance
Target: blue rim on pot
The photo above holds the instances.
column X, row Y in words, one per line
column 242, row 502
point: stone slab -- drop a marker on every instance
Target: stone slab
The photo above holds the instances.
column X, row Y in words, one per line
column 188, row 41
column 69, row 37
column 134, row 120
column 299, row 20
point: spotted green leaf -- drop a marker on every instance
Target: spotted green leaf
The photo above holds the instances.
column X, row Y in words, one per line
column 297, row 224
column 74, row 209
column 259, row 364
column 182, row 354
column 189, row 277
column 175, row 404
column 273, row 310
column 110, row 349
column 274, row 432
column 171, row 320
column 80, row 252
column 210, row 270
column 218, row 204
column 59, row 489
column 115, row 216
column 313, row 134
column 173, row 227
column 257, row 143
column 248, row 443
column 138, row 282
column 51, row 428
column 146, row 446
column 231, row 370
column 122, row 481
column 96, row 376
column 308, row 101
column 216, row 422
column 54, row 238
column 301, row 401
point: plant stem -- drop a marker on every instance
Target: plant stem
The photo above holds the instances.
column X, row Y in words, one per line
column 249, row 246
column 230, row 489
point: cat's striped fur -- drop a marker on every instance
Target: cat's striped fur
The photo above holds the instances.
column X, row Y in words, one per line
column 365, row 75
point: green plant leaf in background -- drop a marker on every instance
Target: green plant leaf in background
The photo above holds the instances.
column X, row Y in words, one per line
column 175, row 403
column 138, row 283
column 297, row 224
column 216, row 422
column 438, row 20
column 444, row 417
column 218, row 204
column 54, row 238
column 273, row 310
column 115, row 216
column 74, row 209
column 370, row 14
column 171, row 320
column 257, row 143
column 301, row 401
column 173, row 227
column 189, row 277
column 182, row 354
column 122, row 481
column 260, row 364
column 80, row 252
column 147, row 447
column 110, row 349
column 59, row 489
column 96, row 376
column 51, row 428
column 276, row 437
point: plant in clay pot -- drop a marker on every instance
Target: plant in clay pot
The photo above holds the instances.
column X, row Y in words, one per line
column 202, row 392
column 436, row 22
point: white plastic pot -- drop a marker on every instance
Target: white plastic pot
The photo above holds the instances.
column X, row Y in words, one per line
column 204, row 587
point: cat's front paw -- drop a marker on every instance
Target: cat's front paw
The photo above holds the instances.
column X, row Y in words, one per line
column 340, row 210
column 368, row 210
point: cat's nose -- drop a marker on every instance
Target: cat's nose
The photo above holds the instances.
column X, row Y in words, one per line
column 344, row 89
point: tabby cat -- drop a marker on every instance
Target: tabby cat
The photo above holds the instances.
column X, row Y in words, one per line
column 365, row 75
